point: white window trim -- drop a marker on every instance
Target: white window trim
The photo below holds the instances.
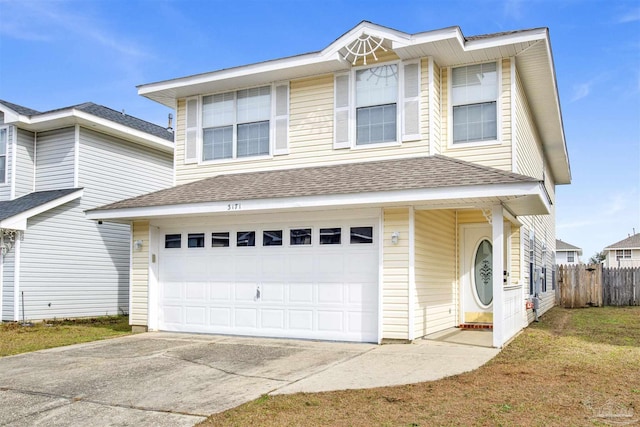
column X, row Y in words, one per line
column 498, row 140
column 272, row 130
column 353, row 108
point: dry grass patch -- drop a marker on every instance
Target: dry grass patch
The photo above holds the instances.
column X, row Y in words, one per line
column 16, row 339
column 574, row 368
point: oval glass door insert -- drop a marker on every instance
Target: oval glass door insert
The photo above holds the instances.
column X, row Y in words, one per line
column 483, row 272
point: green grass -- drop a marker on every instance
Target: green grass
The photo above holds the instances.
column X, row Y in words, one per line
column 576, row 367
column 16, row 339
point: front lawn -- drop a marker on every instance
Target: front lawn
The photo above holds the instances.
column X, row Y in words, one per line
column 15, row 338
column 576, row 367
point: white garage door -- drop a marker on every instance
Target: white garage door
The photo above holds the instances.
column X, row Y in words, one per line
column 315, row 281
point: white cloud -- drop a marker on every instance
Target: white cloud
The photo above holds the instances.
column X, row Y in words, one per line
column 56, row 21
column 513, row 9
column 631, row 16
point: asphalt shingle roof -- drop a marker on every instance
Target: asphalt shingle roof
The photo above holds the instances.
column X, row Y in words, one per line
column 387, row 175
column 104, row 113
column 564, row 246
column 9, row 208
column 628, row 243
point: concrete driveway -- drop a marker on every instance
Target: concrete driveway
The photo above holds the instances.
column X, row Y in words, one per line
column 165, row 379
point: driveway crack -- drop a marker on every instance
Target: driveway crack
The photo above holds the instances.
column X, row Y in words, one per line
column 72, row 399
column 195, row 362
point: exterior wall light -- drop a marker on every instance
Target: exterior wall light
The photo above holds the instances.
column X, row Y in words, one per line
column 395, row 236
column 137, row 245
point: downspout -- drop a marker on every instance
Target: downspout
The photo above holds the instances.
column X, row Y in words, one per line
column 457, row 273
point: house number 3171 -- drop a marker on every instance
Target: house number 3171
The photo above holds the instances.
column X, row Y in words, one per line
column 234, row 206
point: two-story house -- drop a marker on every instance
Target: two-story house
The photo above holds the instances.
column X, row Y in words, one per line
column 625, row 253
column 567, row 254
column 387, row 187
column 54, row 165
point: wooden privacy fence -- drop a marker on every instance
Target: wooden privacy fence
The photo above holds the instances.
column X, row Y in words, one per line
column 587, row 285
column 621, row 286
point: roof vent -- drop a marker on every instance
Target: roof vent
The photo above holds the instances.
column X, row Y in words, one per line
column 170, row 124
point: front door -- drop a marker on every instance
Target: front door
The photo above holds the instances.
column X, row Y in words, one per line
column 477, row 274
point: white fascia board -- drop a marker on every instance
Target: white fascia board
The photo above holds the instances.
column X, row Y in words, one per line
column 507, row 39
column 19, row 221
column 325, row 201
column 72, row 116
column 10, row 116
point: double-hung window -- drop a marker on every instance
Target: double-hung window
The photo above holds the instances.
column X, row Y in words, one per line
column 623, row 254
column 376, row 104
column 474, row 93
column 3, row 154
column 236, row 124
column 571, row 256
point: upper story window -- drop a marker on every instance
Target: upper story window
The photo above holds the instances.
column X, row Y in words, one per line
column 376, row 104
column 474, row 93
column 3, row 154
column 236, row 124
column 570, row 256
column 623, row 254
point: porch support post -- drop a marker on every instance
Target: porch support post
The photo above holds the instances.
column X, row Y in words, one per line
column 498, row 268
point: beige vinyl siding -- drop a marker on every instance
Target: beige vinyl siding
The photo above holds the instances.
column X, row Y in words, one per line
column 5, row 187
column 55, row 158
column 530, row 162
column 493, row 155
column 140, row 276
column 310, row 135
column 437, row 96
column 395, row 292
column 528, row 147
column 436, row 284
column 6, row 298
column 25, row 160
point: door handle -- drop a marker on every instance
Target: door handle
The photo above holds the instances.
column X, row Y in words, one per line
column 257, row 297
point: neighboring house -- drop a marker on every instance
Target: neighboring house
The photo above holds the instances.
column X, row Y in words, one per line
column 385, row 188
column 625, row 253
column 567, row 253
column 53, row 166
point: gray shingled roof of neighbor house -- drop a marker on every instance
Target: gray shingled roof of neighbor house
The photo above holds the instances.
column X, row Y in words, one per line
column 14, row 207
column 101, row 112
column 564, row 246
column 387, row 175
column 631, row 242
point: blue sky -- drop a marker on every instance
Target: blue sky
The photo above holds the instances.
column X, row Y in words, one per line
column 61, row 53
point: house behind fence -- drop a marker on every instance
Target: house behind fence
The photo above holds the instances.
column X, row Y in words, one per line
column 588, row 285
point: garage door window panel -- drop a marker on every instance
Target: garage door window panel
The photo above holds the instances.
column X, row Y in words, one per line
column 330, row 236
column 172, row 241
column 220, row 240
column 272, row 238
column 300, row 236
column 195, row 240
column 246, row 238
column 361, row 235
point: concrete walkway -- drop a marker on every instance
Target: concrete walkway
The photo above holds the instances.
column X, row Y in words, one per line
column 165, row 379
